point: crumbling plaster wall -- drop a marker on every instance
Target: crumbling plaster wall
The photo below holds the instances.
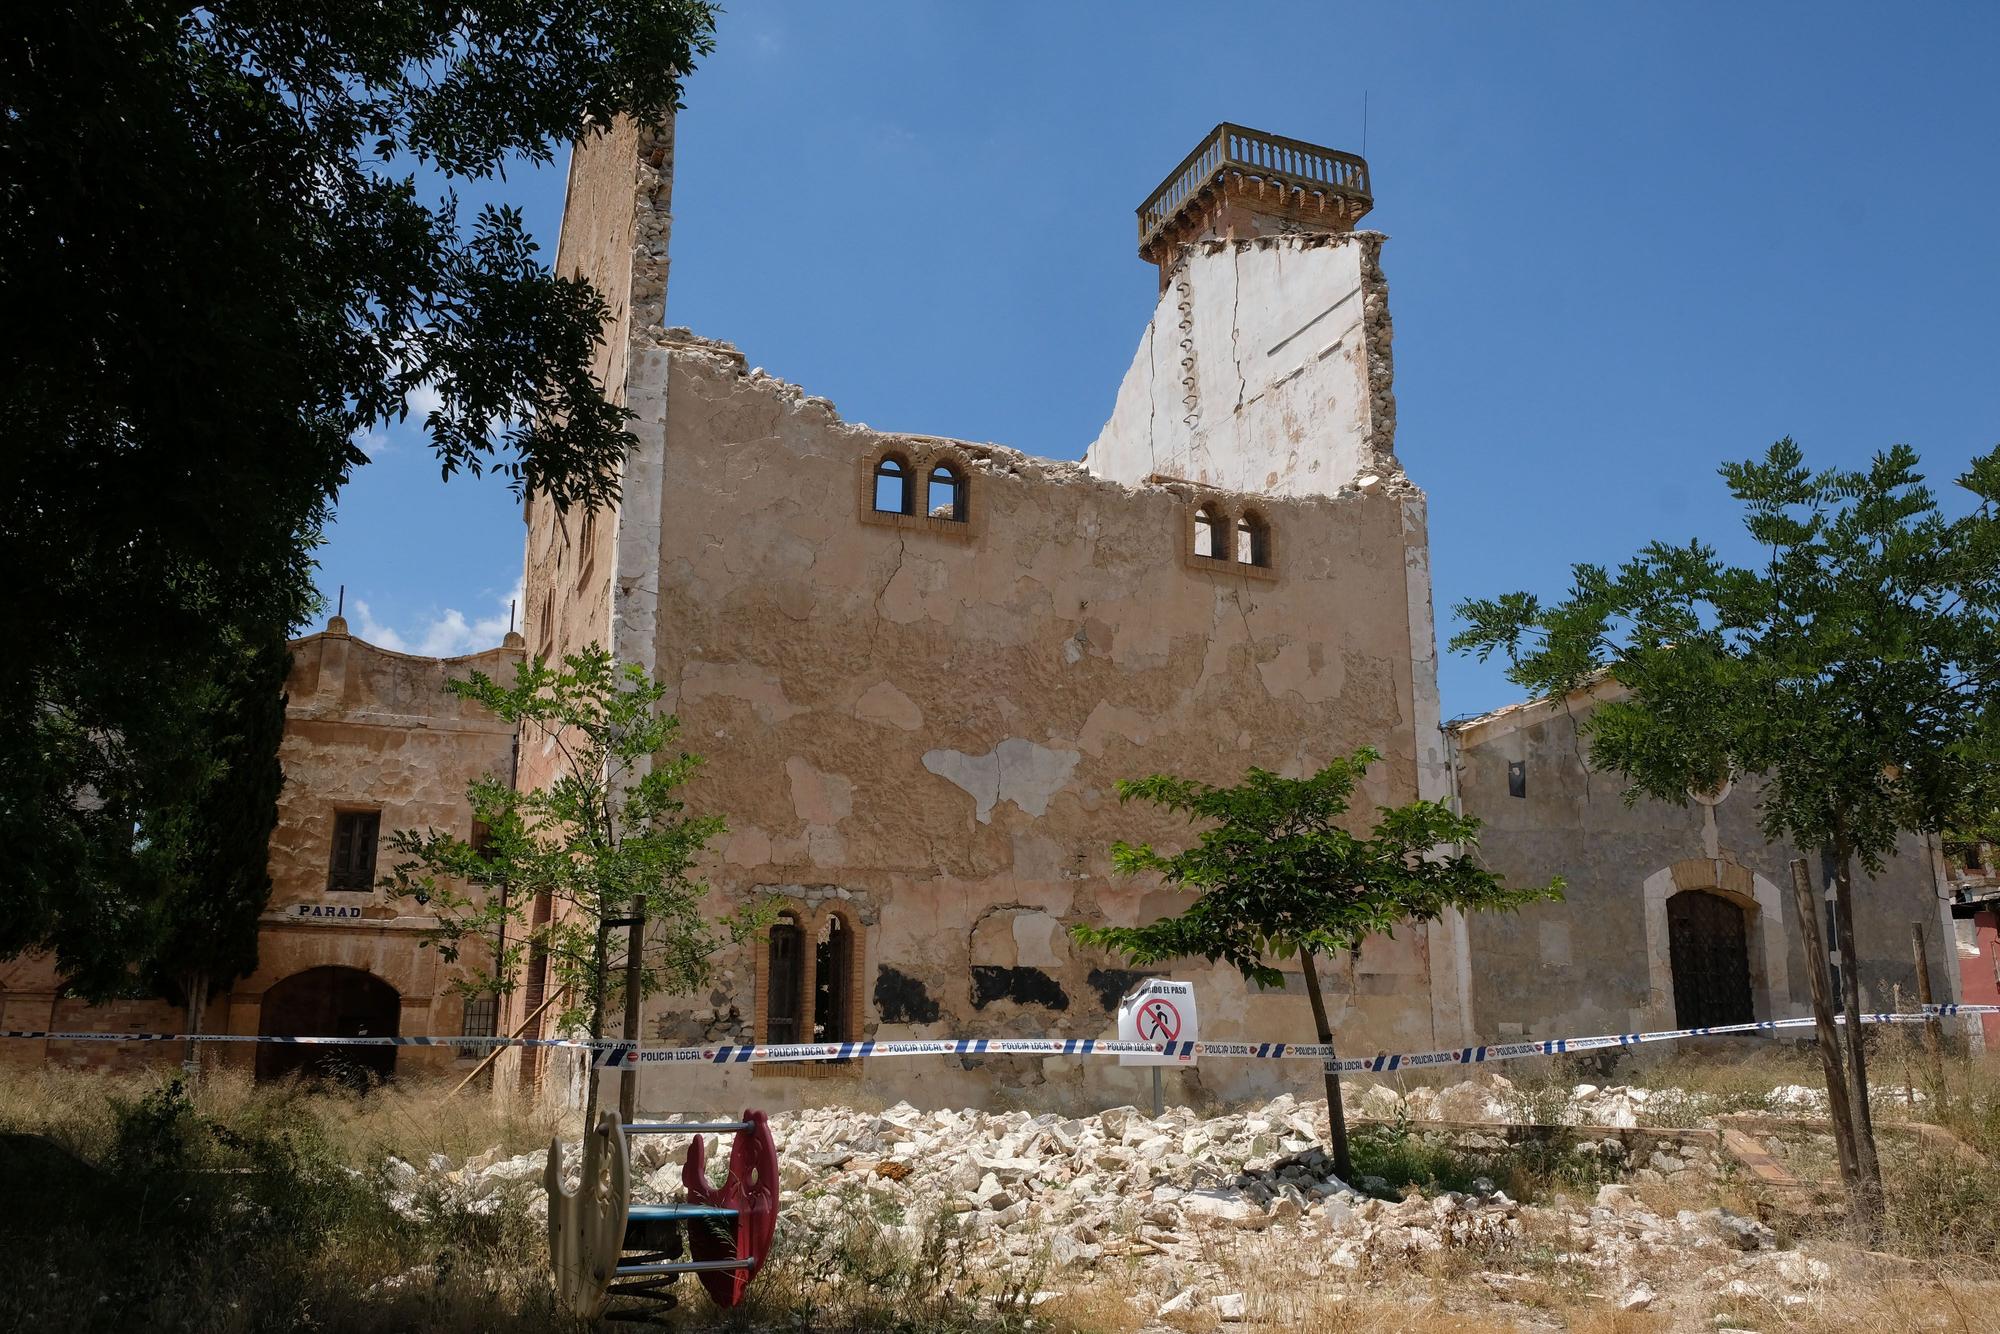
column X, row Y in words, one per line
column 934, row 720
column 1266, row 367
column 1589, row 964
column 367, row 728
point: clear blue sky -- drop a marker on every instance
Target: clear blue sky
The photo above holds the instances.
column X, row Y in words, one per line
column 1626, row 243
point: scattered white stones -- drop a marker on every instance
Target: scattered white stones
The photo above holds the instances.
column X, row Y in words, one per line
column 1029, row 1196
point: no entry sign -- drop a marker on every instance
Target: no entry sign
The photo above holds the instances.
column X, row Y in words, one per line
column 1159, row 1010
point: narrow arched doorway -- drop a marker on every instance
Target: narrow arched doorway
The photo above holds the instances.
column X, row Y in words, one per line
column 329, row 1002
column 1708, row 941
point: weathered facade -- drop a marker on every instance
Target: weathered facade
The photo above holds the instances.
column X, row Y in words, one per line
column 373, row 743
column 1673, row 916
column 917, row 667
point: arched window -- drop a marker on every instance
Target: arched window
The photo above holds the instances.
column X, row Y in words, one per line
column 1708, row 942
column 892, row 485
column 833, row 967
column 947, row 494
column 1207, row 533
column 1253, row 540
column 784, row 980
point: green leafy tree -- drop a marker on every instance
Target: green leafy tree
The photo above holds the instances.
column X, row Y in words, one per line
column 1276, row 877
column 203, row 920
column 1854, row 669
column 185, row 872
column 608, row 840
column 221, row 270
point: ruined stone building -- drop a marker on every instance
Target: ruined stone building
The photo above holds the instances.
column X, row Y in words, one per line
column 916, row 667
column 373, row 743
column 1672, row 917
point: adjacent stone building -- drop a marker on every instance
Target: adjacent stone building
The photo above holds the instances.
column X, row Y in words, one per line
column 918, row 666
column 373, row 743
column 1673, row 917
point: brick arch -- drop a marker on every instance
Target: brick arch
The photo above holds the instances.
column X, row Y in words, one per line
column 814, row 925
column 919, row 456
column 944, row 456
column 1222, row 530
column 329, row 1000
column 1264, row 539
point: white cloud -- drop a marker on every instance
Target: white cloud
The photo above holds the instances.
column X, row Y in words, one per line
column 424, row 400
column 374, row 442
column 446, row 635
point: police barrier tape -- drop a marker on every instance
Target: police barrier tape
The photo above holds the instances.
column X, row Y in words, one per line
column 613, row 1053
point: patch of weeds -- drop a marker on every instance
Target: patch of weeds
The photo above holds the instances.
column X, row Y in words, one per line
column 1401, row 1156
column 1939, row 1204
column 1404, row 1155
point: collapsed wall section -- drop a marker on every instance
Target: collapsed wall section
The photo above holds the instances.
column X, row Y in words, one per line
column 1266, row 367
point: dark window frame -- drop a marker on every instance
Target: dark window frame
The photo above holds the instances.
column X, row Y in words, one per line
column 894, row 468
column 784, row 981
column 954, row 482
column 347, row 872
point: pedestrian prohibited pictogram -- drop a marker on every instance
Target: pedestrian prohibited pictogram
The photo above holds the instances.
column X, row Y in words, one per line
column 1159, row 1021
column 1159, row 1010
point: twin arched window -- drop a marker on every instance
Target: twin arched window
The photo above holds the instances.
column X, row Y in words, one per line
column 809, row 993
column 1247, row 541
column 895, row 489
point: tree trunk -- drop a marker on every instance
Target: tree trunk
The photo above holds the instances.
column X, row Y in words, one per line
column 628, row 1078
column 1869, row 1167
column 1828, row 1033
column 197, row 1013
column 600, row 964
column 1336, row 1116
column 1933, row 1034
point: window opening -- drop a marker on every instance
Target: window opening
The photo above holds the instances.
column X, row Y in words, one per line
column 947, row 494
column 1205, row 540
column 1253, row 541
column 538, row 951
column 354, row 835
column 832, row 962
column 482, row 1020
column 785, row 981
column 892, row 486
column 1708, row 942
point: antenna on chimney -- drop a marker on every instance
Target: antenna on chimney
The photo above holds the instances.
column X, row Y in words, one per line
column 511, row 604
column 340, row 607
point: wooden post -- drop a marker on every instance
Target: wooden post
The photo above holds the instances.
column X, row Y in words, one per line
column 1933, row 1037
column 635, row 944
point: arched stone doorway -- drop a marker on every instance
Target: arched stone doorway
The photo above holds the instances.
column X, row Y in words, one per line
column 329, row 1002
column 1708, row 942
column 1715, row 946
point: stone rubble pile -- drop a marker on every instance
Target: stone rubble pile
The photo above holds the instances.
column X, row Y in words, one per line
column 1176, row 1202
column 1494, row 1098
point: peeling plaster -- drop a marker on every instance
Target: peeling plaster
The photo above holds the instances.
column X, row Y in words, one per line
column 1016, row 770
